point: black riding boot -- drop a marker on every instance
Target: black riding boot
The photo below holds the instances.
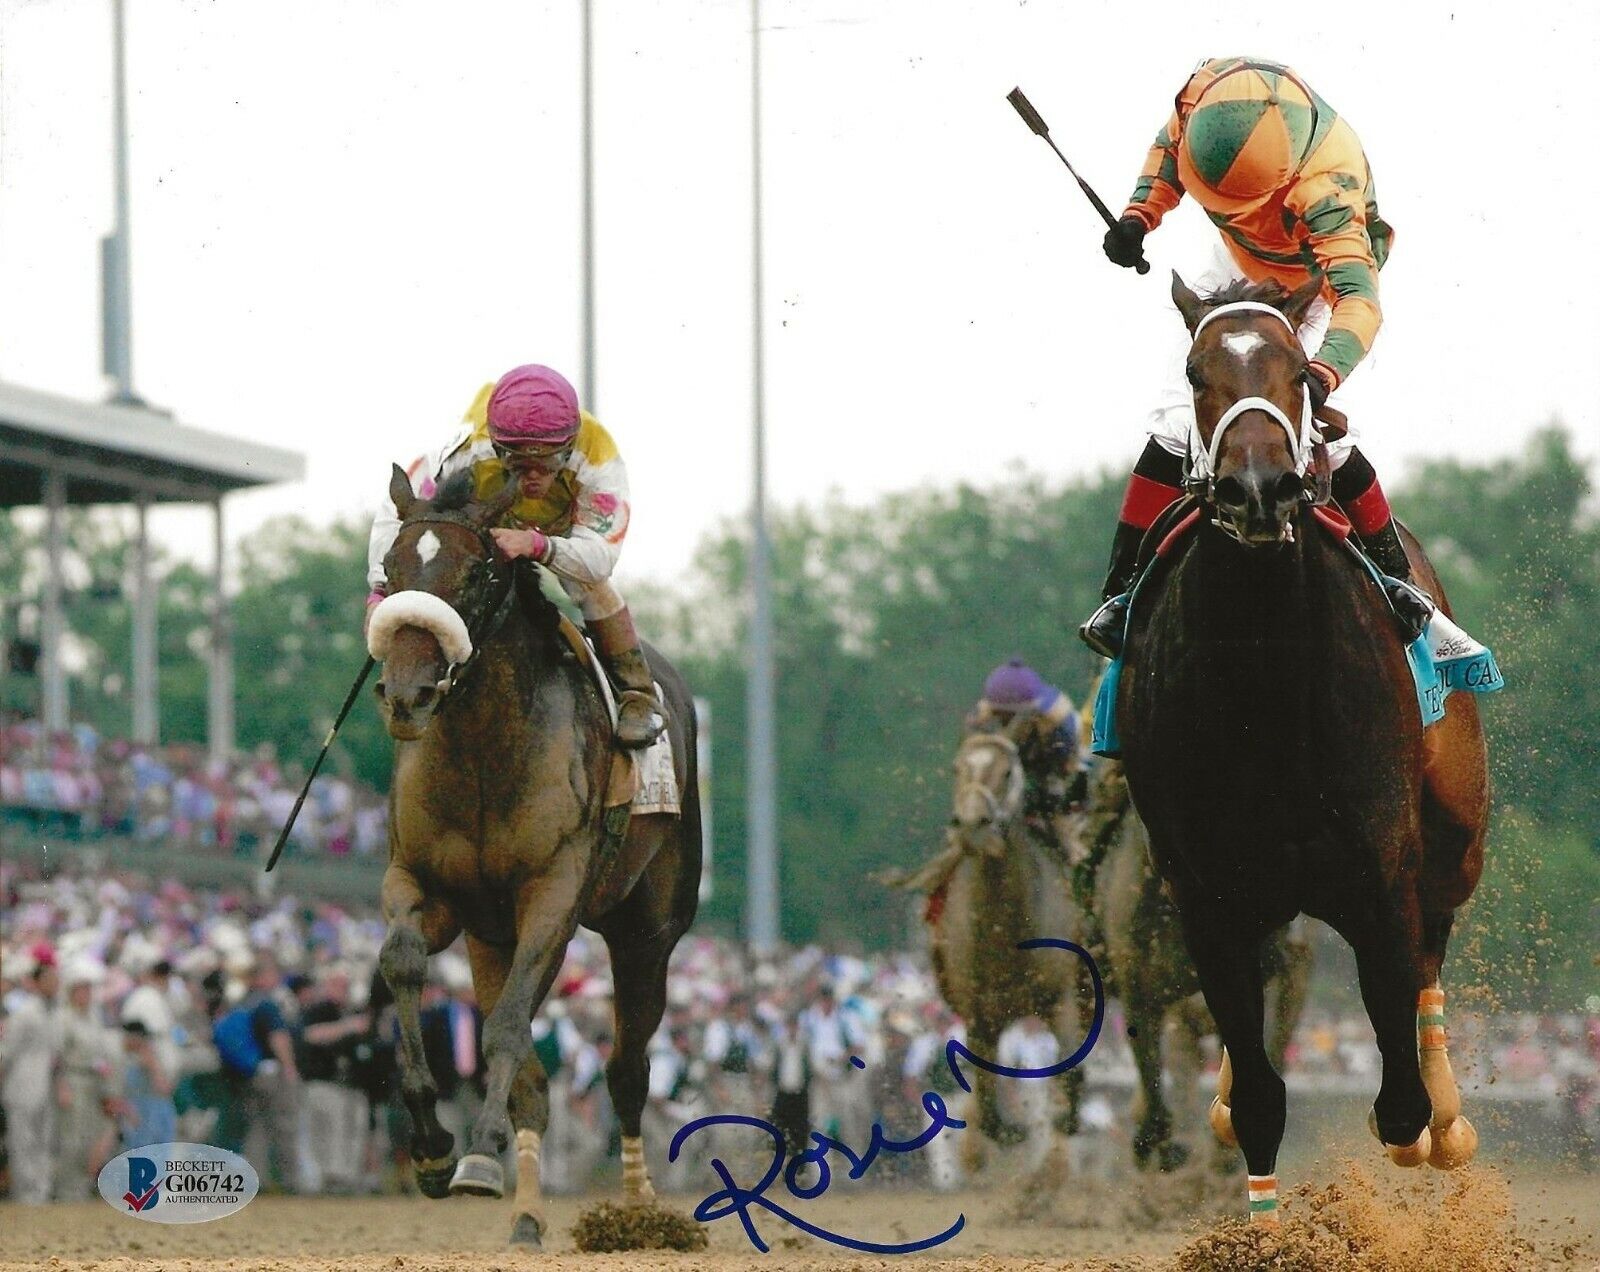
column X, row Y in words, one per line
column 1357, row 490
column 1104, row 631
column 1412, row 606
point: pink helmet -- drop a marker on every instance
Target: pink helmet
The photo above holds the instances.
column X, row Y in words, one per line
column 533, row 404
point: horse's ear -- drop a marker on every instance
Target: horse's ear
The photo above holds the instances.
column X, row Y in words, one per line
column 1189, row 304
column 1300, row 301
column 400, row 491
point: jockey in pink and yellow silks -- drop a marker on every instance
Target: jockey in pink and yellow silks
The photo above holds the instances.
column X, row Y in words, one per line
column 571, row 518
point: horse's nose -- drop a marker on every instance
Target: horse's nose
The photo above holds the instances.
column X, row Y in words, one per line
column 1259, row 501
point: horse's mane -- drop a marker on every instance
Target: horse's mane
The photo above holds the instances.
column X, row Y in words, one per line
column 1267, row 292
column 456, row 494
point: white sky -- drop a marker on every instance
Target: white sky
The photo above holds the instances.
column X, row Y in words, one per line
column 347, row 214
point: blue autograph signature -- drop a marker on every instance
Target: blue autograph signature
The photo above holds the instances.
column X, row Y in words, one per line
column 735, row 1200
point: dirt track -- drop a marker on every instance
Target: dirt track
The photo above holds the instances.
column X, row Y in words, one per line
column 1547, row 1220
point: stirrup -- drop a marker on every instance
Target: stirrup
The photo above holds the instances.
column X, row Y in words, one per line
column 1107, row 626
column 1413, row 608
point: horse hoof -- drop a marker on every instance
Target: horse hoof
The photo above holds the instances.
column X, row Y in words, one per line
column 1454, row 1145
column 527, row 1233
column 478, row 1176
column 433, row 1177
column 1409, row 1155
column 1221, row 1119
column 1172, row 1155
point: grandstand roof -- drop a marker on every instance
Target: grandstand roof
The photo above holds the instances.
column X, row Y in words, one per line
column 111, row 453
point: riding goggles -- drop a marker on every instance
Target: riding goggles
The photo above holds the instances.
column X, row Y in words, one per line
column 533, row 457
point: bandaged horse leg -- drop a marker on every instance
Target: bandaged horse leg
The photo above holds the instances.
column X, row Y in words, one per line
column 529, row 1101
column 640, row 714
column 530, row 1116
column 546, row 918
column 639, row 973
column 1455, row 1140
column 416, row 929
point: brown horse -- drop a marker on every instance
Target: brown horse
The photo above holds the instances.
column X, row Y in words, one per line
column 997, row 885
column 1139, row 943
column 1275, row 750
column 499, row 829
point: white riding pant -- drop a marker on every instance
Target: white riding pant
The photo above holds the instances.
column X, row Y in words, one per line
column 1173, row 414
column 598, row 600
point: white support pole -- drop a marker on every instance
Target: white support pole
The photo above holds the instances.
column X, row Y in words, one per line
column 763, row 926
column 117, row 260
column 52, row 618
column 589, row 401
column 146, row 690
column 219, row 715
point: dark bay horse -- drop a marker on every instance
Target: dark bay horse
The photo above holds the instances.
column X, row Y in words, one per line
column 1275, row 750
column 1136, row 934
column 498, row 829
column 1000, row 885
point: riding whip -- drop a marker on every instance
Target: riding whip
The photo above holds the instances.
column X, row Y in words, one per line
column 350, row 701
column 1035, row 121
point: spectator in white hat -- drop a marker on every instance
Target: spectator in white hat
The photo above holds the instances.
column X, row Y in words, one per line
column 29, row 1048
column 89, row 1085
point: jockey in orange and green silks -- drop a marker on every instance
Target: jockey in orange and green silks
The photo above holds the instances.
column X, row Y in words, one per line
column 1286, row 183
column 571, row 519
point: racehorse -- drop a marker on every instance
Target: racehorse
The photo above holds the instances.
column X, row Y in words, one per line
column 1137, row 937
column 998, row 884
column 1275, row 749
column 498, row 828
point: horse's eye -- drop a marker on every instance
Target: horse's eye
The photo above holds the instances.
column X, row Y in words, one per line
column 1195, row 378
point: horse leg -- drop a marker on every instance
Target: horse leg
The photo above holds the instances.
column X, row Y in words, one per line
column 991, row 1117
column 1389, row 989
column 639, row 978
column 417, row 928
column 1230, row 978
column 1155, row 1126
column 529, row 1102
column 1455, row 1140
column 546, row 908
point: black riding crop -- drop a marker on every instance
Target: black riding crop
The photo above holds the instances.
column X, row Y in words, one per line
column 349, row 701
column 1036, row 122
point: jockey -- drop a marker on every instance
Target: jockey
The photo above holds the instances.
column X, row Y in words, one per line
column 571, row 518
column 1049, row 747
column 1286, row 183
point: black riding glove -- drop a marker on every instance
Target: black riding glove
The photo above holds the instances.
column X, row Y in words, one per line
column 1124, row 242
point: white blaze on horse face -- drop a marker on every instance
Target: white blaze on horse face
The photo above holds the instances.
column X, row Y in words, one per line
column 1241, row 344
column 979, row 762
column 428, row 546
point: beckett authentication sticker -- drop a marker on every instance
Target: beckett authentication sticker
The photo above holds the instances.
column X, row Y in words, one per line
column 178, row 1183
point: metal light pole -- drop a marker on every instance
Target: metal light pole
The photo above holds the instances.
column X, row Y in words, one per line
column 762, row 919
column 115, row 282
column 588, row 398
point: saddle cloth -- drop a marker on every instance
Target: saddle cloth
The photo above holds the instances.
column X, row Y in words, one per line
column 645, row 779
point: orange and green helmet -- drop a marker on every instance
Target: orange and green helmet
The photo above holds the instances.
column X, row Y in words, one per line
column 1246, row 136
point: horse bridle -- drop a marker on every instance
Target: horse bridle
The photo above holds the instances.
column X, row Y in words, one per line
column 1001, row 814
column 490, row 600
column 1200, row 464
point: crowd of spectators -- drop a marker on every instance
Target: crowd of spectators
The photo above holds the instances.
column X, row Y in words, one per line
column 138, row 1012
column 74, row 783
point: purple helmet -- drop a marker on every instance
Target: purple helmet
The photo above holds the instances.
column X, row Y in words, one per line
column 1016, row 686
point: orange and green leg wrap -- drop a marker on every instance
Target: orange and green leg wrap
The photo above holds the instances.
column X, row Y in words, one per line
column 1454, row 1139
column 1263, row 1199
